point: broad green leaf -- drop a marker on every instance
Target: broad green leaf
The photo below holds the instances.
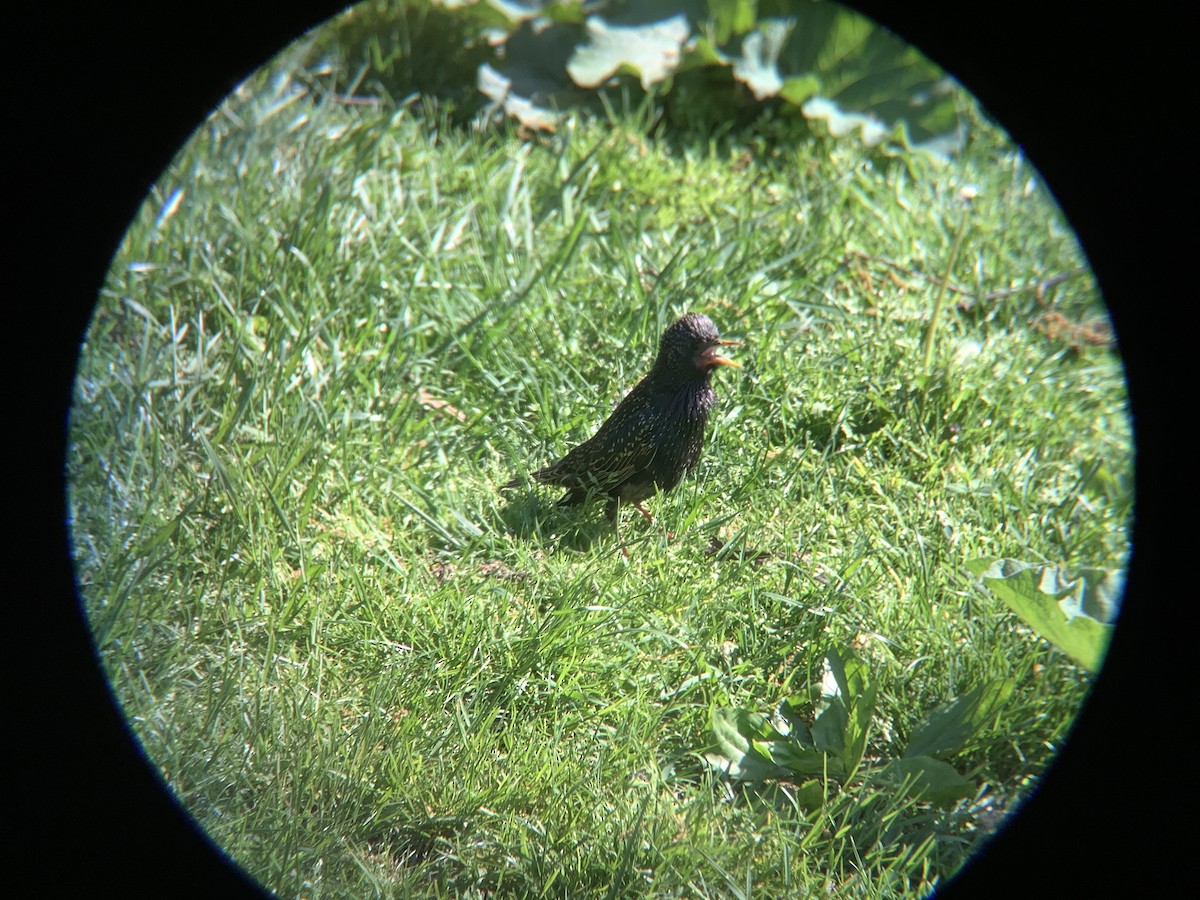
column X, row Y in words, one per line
column 743, row 768
column 730, row 17
column 749, row 748
column 566, row 12
column 702, row 52
column 810, row 794
column 651, row 51
column 848, row 703
column 789, row 721
column 756, row 67
column 798, row 89
column 1053, row 602
column 857, row 677
column 858, row 727
column 1098, row 596
column 801, row 760
column 871, row 130
column 736, row 733
column 870, row 81
column 498, row 89
column 847, row 35
column 926, row 778
column 829, row 729
column 947, row 729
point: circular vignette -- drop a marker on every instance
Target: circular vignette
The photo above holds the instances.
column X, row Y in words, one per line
column 1067, row 790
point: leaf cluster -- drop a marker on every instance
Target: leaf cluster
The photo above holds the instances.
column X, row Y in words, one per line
column 702, row 66
column 1074, row 610
column 832, row 749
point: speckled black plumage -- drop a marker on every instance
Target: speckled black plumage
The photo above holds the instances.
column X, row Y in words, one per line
column 656, row 433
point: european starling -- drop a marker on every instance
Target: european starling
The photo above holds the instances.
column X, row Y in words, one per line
column 654, row 435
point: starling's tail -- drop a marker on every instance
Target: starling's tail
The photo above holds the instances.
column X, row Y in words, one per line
column 509, row 485
column 573, row 497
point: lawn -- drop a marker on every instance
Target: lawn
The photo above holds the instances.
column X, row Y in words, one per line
column 336, row 329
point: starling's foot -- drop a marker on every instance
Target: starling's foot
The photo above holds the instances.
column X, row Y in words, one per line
column 642, row 510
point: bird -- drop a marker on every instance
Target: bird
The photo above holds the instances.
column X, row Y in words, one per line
column 655, row 435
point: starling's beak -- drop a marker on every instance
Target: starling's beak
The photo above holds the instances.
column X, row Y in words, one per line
column 711, row 357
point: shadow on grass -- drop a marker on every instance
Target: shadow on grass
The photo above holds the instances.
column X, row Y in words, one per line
column 537, row 519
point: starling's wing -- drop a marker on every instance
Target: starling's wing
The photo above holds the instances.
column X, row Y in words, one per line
column 622, row 447
column 626, row 445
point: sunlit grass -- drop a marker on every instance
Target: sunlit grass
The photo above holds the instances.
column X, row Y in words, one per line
column 334, row 331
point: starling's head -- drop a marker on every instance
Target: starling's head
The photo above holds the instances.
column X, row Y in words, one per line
column 690, row 346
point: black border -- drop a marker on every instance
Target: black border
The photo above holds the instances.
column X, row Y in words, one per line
column 1089, row 94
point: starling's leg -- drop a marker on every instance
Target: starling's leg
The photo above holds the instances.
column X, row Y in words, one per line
column 650, row 519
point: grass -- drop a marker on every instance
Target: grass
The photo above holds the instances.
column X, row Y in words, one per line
column 335, row 330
